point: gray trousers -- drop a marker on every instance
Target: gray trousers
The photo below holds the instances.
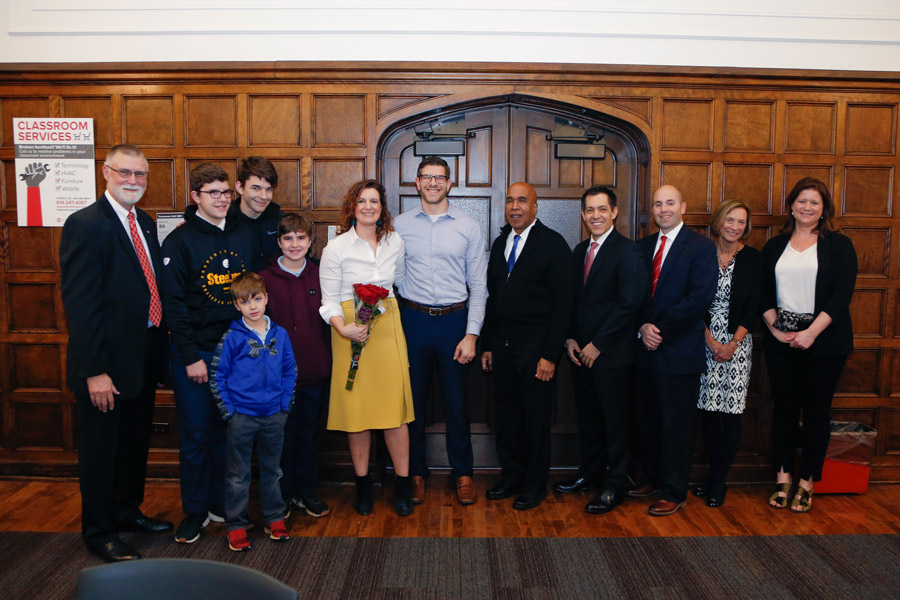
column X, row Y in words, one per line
column 268, row 432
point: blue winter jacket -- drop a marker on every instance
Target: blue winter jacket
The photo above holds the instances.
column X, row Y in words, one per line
column 250, row 377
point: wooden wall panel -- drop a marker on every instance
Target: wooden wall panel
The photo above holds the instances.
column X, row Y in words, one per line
column 148, row 121
column 687, row 124
column 750, row 183
column 32, row 308
column 749, row 126
column 210, row 121
column 339, row 120
column 810, row 127
column 744, row 134
column 274, row 121
column 871, row 129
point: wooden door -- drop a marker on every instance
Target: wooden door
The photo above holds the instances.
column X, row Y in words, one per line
column 505, row 144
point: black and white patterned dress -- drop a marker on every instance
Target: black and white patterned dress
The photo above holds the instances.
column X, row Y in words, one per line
column 723, row 388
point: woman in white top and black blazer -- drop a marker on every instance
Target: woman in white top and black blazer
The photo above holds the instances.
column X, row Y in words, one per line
column 809, row 272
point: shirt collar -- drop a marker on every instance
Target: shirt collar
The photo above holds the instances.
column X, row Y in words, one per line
column 121, row 211
column 670, row 237
column 603, row 237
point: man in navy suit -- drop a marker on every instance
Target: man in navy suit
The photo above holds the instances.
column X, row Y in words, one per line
column 527, row 316
column 109, row 258
column 610, row 280
column 683, row 274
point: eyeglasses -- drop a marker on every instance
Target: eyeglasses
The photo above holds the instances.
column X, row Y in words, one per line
column 127, row 173
column 216, row 194
column 428, row 178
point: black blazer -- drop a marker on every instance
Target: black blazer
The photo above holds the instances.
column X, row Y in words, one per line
column 607, row 304
column 686, row 287
column 106, row 298
column 835, row 280
column 745, row 290
column 533, row 304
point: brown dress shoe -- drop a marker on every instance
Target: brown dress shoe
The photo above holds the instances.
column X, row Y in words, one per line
column 465, row 490
column 664, row 508
column 641, row 491
column 418, row 489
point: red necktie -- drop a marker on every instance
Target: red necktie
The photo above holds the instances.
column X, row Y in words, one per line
column 155, row 304
column 590, row 260
column 657, row 264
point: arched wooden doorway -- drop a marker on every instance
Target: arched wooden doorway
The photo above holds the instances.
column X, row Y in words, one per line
column 509, row 139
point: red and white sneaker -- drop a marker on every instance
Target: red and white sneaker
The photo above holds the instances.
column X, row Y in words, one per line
column 277, row 531
column 238, row 540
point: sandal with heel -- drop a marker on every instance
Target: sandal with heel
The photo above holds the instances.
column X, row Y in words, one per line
column 777, row 501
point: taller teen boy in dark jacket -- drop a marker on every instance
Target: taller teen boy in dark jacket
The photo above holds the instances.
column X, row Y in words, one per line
column 294, row 299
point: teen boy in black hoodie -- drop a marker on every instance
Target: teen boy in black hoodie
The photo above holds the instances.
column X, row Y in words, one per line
column 200, row 259
column 256, row 183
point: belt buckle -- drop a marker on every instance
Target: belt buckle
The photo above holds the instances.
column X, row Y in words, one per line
column 435, row 312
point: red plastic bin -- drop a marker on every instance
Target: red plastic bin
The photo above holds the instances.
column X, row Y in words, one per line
column 848, row 460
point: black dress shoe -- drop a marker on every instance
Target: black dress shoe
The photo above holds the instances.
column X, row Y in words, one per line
column 579, row 484
column 701, row 491
column 604, row 503
column 501, row 491
column 529, row 501
column 714, row 502
column 114, row 551
column 145, row 524
column 716, row 496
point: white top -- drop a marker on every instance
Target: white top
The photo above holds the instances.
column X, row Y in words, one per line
column 670, row 237
column 347, row 260
column 795, row 279
column 511, row 238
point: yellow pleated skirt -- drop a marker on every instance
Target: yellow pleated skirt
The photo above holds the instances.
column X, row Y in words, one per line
column 381, row 397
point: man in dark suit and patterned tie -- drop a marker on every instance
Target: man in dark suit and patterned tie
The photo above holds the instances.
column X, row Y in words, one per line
column 671, row 356
column 610, row 280
column 109, row 258
column 527, row 316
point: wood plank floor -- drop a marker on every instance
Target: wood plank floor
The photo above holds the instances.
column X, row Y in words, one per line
column 54, row 505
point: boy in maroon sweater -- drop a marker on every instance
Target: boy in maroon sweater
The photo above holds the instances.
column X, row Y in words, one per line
column 294, row 300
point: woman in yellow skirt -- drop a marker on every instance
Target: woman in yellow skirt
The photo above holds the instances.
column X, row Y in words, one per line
column 368, row 252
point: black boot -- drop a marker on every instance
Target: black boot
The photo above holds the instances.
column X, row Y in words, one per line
column 403, row 504
column 363, row 503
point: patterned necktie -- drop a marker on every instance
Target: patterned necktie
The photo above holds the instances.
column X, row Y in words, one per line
column 155, row 304
column 590, row 260
column 657, row 264
column 511, row 260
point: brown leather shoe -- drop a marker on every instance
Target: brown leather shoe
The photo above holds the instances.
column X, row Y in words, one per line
column 418, row 489
column 641, row 491
column 465, row 490
column 664, row 508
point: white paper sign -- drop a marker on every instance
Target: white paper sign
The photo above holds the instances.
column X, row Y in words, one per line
column 54, row 169
column 166, row 223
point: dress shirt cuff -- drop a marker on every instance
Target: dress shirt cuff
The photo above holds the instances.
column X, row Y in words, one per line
column 327, row 311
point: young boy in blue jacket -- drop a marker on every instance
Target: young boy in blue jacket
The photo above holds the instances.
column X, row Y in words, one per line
column 253, row 377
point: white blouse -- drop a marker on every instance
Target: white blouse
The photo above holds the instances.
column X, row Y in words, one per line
column 348, row 259
column 795, row 279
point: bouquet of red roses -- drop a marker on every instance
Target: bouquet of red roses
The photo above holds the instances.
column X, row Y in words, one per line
column 366, row 306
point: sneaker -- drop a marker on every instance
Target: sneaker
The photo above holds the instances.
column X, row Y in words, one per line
column 189, row 530
column 217, row 515
column 277, row 531
column 314, row 506
column 238, row 540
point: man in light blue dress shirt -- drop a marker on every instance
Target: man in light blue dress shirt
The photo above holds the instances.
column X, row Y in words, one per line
column 442, row 308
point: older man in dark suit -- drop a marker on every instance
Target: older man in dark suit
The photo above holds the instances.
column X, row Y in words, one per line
column 109, row 257
column 610, row 280
column 684, row 269
column 527, row 316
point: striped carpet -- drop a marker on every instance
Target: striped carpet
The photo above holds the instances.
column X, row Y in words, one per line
column 35, row 566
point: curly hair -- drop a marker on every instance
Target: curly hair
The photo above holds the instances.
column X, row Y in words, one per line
column 346, row 218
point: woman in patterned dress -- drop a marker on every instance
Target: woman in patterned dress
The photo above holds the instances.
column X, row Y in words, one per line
column 729, row 345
